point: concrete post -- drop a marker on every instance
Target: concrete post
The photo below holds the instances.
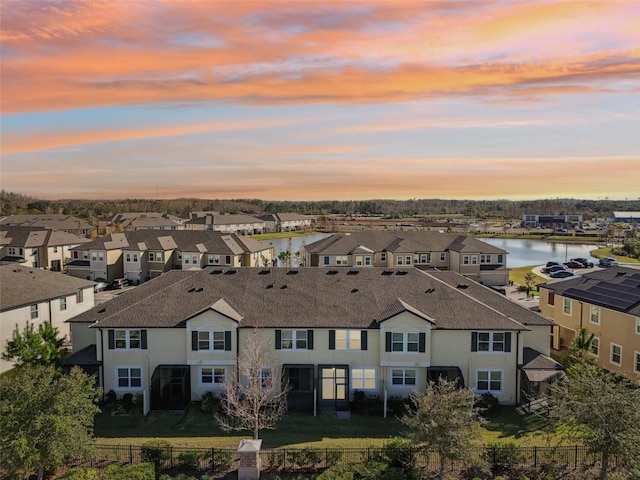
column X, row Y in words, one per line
column 249, row 452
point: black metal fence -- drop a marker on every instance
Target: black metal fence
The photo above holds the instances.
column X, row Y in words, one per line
column 222, row 460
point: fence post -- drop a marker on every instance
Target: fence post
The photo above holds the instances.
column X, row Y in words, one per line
column 326, row 458
column 171, row 457
column 575, row 460
column 535, row 456
column 213, row 461
column 131, row 454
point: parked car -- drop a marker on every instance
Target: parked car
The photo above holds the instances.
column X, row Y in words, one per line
column 574, row 264
column 553, row 268
column 551, row 264
column 119, row 283
column 584, row 261
column 608, row 262
column 561, row 274
column 100, row 286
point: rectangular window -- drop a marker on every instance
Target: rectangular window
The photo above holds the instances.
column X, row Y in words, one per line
column 12, row 251
column 266, row 376
column 595, row 347
column 128, row 339
column 637, row 325
column 129, row 377
column 399, row 260
column 491, row 341
column 135, row 257
column 341, row 260
column 595, row 314
column 616, row 354
column 474, row 259
column 363, row 378
column 405, row 342
column 359, row 261
column 424, row 258
column 367, row 261
column 127, row 257
column 194, row 259
column 218, row 340
column 212, row 375
column 566, row 306
column 407, row 260
column 55, row 249
column 489, row 381
column 228, row 260
column 443, row 256
column 326, row 260
column 79, row 296
column 101, row 256
column 383, row 256
column 214, row 259
column 34, row 311
column 63, row 303
column 186, row 259
column 397, row 342
column 466, row 259
column 405, row 377
column 348, row 340
column 636, row 362
column 551, row 299
column 485, row 258
column 211, row 340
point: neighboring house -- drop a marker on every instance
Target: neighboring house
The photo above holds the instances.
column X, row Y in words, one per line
column 551, row 221
column 37, row 247
column 607, row 304
column 382, row 331
column 240, row 224
column 35, row 296
column 627, row 217
column 287, row 222
column 445, row 251
column 144, row 254
column 64, row 223
column 143, row 221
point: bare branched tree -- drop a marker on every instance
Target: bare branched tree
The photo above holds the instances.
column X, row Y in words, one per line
column 256, row 396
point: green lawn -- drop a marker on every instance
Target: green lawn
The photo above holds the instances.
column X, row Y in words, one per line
column 606, row 252
column 196, row 429
column 272, row 236
column 516, row 275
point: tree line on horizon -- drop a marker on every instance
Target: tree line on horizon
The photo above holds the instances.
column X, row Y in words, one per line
column 17, row 204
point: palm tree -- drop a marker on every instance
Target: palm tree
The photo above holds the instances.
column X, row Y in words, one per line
column 581, row 345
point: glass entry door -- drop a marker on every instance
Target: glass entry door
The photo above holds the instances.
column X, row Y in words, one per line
column 334, row 387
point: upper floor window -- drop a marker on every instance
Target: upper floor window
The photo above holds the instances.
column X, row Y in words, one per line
column 383, row 256
column 363, row 260
column 97, row 256
column 637, row 325
column 566, row 306
column 399, row 260
column 407, row 260
column 466, row 259
column 125, row 339
column 179, row 256
column 34, row 311
column 347, row 339
column 424, row 258
column 443, row 256
column 595, row 346
column 326, row 260
column 55, row 249
column 294, row 339
column 403, row 376
column 616, row 354
column 13, row 251
column 594, row 316
column 63, row 303
column 485, row 258
column 79, row 296
column 212, row 259
column 363, row 378
column 500, row 258
column 342, row 260
column 207, row 340
column 405, row 342
column 194, row 259
column 636, row 362
column 551, row 298
column 155, row 256
column 474, row 259
column 490, row 341
column 367, row 260
column 127, row 257
column 228, row 260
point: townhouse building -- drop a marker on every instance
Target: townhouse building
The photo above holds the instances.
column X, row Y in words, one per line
column 287, row 222
column 37, row 247
column 334, row 331
column 142, row 255
column 228, row 223
column 143, row 221
column 60, row 222
column 34, row 296
column 607, row 304
column 445, row 251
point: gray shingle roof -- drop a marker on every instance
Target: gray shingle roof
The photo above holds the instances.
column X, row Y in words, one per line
column 20, row 286
column 32, row 237
column 52, row 221
column 302, row 298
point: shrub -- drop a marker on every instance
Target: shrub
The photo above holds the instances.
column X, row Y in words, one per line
column 139, row 471
column 211, row 403
column 189, row 460
column 360, row 471
column 503, row 457
column 488, row 404
column 275, row 460
column 110, row 397
column 220, row 460
column 397, row 453
column 304, row 458
column 333, row 456
column 80, row 473
column 156, row 451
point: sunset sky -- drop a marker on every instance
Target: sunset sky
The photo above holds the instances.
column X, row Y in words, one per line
column 320, row 100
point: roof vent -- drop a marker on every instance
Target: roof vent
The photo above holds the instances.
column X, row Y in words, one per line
column 216, row 272
column 386, row 272
column 199, row 289
column 462, row 286
column 401, row 272
column 354, row 290
column 353, row 272
column 269, row 286
column 620, row 274
column 292, row 272
column 332, row 272
column 264, row 272
column 430, row 290
column 102, row 310
column 283, row 287
column 230, row 272
column 191, row 290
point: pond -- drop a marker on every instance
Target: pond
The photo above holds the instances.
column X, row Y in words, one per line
column 522, row 252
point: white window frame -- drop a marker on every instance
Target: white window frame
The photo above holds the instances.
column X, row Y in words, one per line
column 636, row 362
column 213, row 339
column 611, row 354
column 55, row 249
column 466, row 260
column 405, row 340
column 489, row 380
column 443, row 256
column 342, row 260
column 195, row 260
column 361, row 377
column 350, row 340
column 63, row 304
column 485, row 258
column 125, row 335
column 296, row 339
column 399, row 260
column 594, row 314
column 216, row 374
column 12, row 251
column 383, row 256
column 567, row 305
column 213, row 259
column 474, row 260
column 79, row 297
column 129, row 378
column 492, row 341
column 408, row 377
column 33, row 311
column 595, row 347
column 135, row 258
column 127, row 257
